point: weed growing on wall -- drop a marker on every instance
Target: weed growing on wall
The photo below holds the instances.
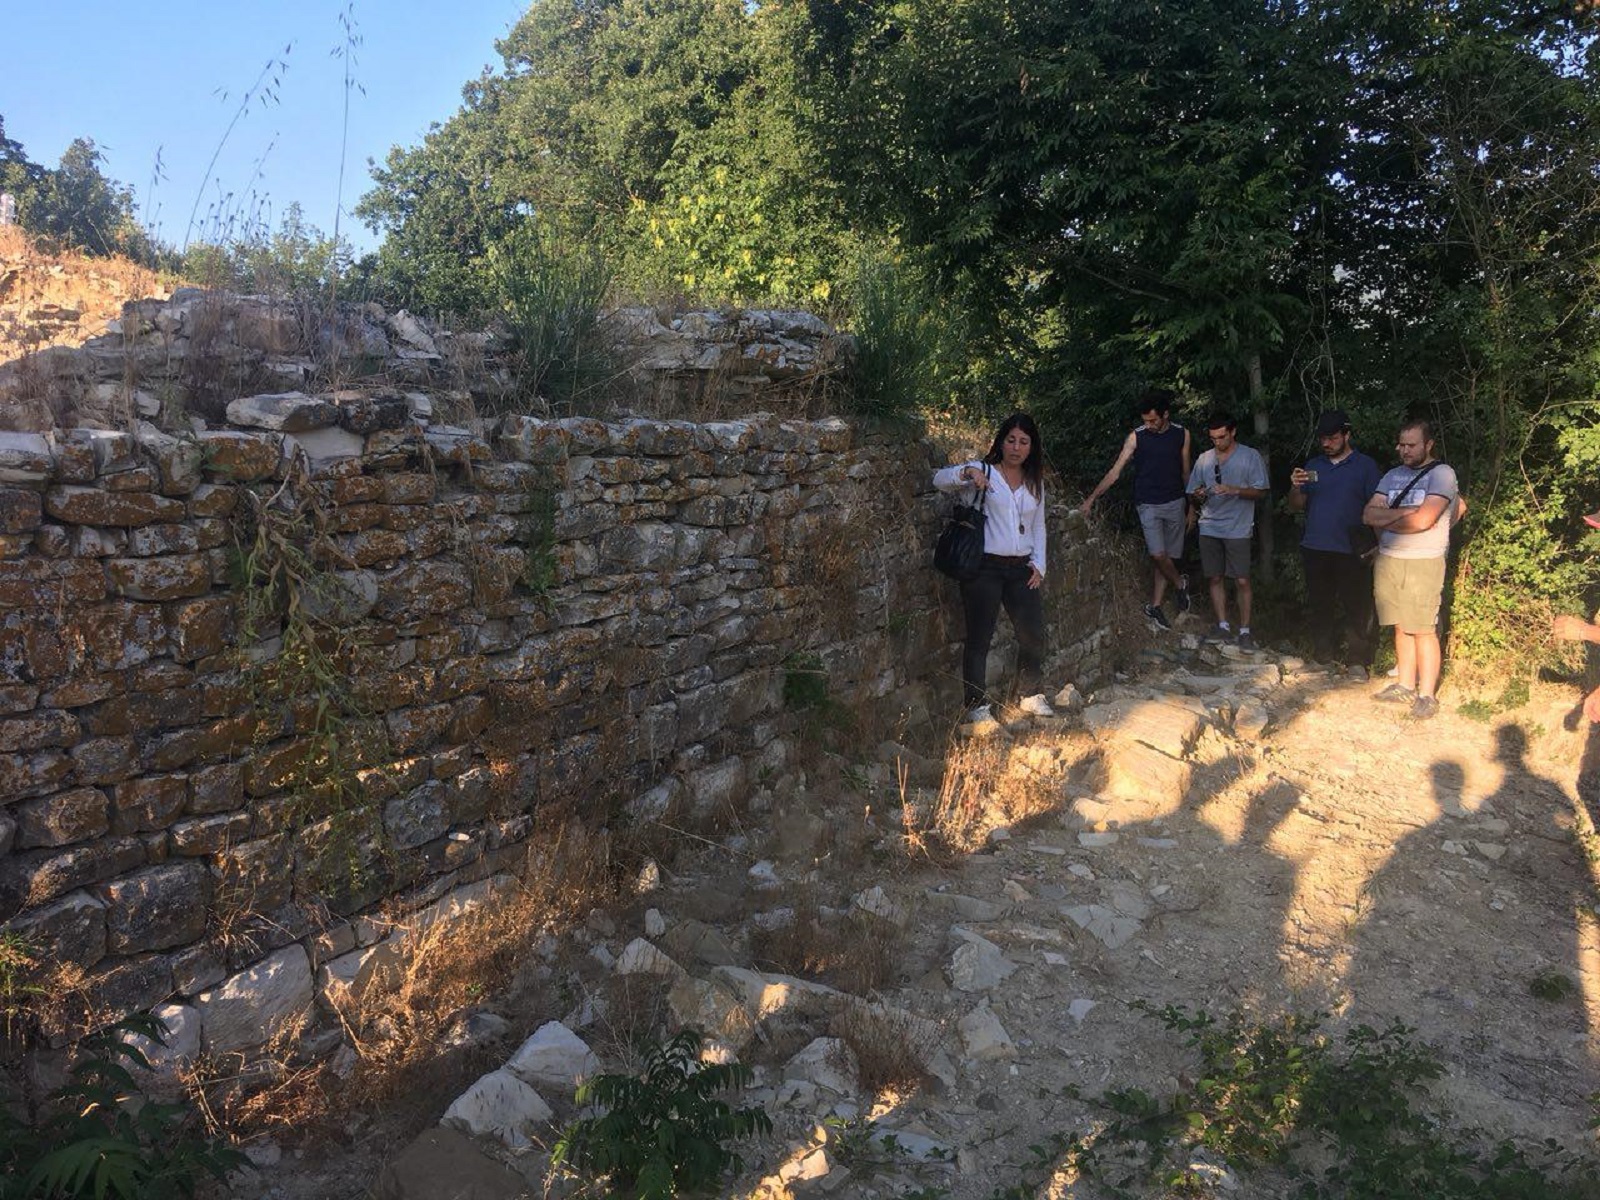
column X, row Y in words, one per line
column 538, row 537
column 297, row 640
column 19, row 962
column 663, row 1132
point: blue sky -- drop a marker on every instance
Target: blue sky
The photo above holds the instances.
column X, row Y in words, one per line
column 168, row 78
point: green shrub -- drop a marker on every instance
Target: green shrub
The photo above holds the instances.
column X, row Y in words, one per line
column 100, row 1139
column 1264, row 1091
column 662, row 1133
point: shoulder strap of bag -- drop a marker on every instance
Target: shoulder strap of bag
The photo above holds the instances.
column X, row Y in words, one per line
column 1415, row 479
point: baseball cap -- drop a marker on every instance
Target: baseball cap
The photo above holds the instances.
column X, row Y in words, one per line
column 1332, row 421
column 1592, row 520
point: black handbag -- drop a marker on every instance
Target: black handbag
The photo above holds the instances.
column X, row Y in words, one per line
column 959, row 552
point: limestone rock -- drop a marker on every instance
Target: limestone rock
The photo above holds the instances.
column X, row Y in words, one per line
column 639, row 957
column 983, row 1036
column 169, row 1059
column 443, row 1162
column 826, row 1063
column 554, row 1057
column 24, row 458
column 716, row 1010
column 247, row 1009
column 283, row 412
column 765, row 995
column 1068, row 700
column 970, row 908
column 156, row 908
column 875, row 902
column 977, row 964
column 498, row 1105
column 1135, row 771
column 1164, row 726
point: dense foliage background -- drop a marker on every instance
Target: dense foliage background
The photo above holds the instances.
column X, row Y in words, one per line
column 1275, row 206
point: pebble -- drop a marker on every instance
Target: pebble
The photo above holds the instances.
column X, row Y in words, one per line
column 1095, row 841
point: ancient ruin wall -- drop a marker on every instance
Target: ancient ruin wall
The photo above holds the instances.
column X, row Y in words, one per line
column 257, row 680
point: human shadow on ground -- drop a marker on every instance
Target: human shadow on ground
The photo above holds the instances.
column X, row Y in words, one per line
column 1459, row 932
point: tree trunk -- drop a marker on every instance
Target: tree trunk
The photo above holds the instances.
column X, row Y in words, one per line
column 1269, row 568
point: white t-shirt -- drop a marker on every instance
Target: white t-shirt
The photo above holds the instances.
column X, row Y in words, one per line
column 1429, row 543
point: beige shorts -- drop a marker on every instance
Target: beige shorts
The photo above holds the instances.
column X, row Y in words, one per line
column 1407, row 591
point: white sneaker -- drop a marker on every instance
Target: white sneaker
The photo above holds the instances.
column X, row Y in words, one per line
column 979, row 716
column 1036, row 706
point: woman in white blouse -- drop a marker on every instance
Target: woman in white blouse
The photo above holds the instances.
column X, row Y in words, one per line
column 1010, row 483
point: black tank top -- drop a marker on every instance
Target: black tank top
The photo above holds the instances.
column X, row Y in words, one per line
column 1158, row 465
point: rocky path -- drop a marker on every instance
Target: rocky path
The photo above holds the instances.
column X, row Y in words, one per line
column 1224, row 833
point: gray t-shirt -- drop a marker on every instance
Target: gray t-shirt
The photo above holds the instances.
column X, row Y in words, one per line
column 1430, row 543
column 1229, row 516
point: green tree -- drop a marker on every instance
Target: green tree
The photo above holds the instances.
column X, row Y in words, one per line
column 672, row 134
column 78, row 206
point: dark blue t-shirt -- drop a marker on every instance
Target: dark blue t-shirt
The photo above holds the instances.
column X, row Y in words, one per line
column 1334, row 502
column 1158, row 465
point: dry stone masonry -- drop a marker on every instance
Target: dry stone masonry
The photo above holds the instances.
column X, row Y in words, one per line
column 259, row 676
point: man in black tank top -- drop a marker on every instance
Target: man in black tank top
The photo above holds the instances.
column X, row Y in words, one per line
column 1160, row 453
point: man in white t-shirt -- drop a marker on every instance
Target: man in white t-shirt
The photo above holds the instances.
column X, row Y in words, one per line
column 1413, row 509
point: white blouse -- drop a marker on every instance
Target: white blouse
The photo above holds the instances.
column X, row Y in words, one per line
column 1013, row 519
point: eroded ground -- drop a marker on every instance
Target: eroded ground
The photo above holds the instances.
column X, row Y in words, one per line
column 1296, row 848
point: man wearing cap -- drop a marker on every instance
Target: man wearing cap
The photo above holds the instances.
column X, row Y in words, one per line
column 1332, row 489
column 1412, row 509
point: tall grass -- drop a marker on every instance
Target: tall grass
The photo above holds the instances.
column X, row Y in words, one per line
column 899, row 340
column 549, row 291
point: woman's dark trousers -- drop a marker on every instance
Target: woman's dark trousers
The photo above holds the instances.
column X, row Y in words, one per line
column 1001, row 586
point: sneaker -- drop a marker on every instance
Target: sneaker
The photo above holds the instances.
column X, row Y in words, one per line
column 978, row 716
column 1218, row 633
column 1424, row 708
column 1182, row 600
column 1036, row 706
column 1395, row 694
column 1246, row 642
column 1153, row 611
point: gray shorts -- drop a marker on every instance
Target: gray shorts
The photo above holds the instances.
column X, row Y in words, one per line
column 1224, row 557
column 1163, row 527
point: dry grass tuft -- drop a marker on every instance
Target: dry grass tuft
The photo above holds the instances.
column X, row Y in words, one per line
column 988, row 783
column 632, row 1013
column 424, row 978
column 852, row 951
column 891, row 1046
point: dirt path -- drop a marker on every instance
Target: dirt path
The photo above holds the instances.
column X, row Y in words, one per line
column 1344, row 860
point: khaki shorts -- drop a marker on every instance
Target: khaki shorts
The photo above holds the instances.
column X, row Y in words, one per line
column 1407, row 591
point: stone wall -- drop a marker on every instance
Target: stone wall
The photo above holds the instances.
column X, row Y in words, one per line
column 258, row 681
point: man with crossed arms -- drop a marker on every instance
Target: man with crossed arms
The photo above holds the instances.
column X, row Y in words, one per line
column 1412, row 510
